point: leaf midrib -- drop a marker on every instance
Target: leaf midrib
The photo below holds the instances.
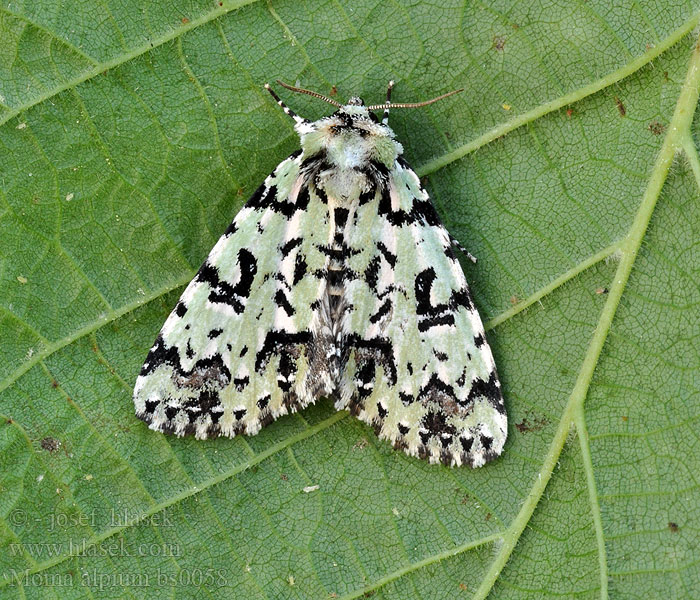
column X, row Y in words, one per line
column 573, row 415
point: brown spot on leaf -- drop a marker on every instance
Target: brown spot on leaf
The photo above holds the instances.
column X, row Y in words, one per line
column 569, row 112
column 601, row 290
column 499, row 43
column 673, row 527
column 528, row 425
column 657, row 128
column 360, row 444
column 50, row 444
column 185, row 20
column 620, row 107
column 334, row 91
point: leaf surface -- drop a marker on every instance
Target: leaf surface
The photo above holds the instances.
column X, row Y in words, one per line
column 129, row 137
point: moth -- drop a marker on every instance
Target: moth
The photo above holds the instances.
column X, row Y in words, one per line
column 337, row 278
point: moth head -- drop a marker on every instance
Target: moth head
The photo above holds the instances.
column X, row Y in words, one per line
column 353, row 135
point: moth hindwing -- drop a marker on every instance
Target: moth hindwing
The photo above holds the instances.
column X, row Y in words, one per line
column 336, row 279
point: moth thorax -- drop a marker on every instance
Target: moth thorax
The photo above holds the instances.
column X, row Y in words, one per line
column 342, row 185
column 356, row 101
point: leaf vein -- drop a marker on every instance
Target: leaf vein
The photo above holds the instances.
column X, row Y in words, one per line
column 99, row 68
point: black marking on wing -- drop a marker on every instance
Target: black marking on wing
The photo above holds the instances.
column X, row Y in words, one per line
column 436, row 390
column 206, row 372
column 300, row 268
column 221, row 290
column 288, row 207
column 488, row 389
column 262, row 197
column 277, row 340
column 290, row 245
column 441, row 356
column 241, row 382
column 389, row 256
column 286, row 370
column 367, row 196
column 282, row 301
column 422, row 211
column 370, row 353
column 383, row 310
column 372, row 273
column 231, row 229
column 406, row 399
column 435, row 423
column 430, row 315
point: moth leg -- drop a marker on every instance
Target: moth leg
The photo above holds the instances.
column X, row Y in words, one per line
column 385, row 118
column 287, row 111
column 462, row 249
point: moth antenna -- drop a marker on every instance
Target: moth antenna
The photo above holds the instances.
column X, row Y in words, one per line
column 385, row 117
column 285, row 108
column 310, row 93
column 415, row 104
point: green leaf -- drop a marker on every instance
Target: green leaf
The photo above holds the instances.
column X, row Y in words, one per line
column 130, row 134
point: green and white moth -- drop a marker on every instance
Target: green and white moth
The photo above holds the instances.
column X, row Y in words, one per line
column 337, row 279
